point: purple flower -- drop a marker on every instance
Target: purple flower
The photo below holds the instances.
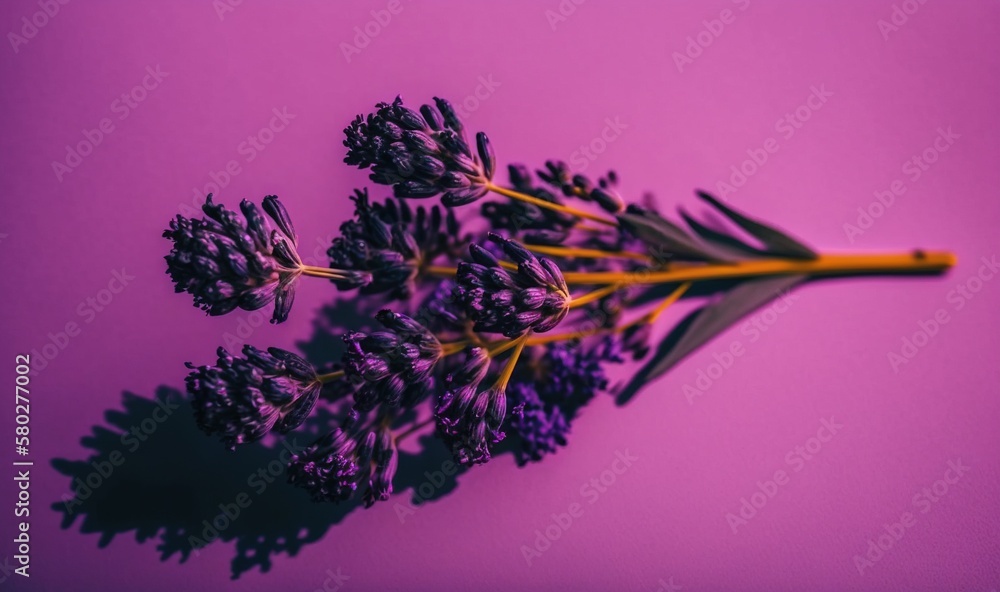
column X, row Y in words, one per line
column 498, row 300
column 421, row 154
column 535, row 224
column 390, row 242
column 573, row 373
column 227, row 261
column 384, row 460
column 395, row 364
column 540, row 427
column 242, row 399
column 333, row 466
column 604, row 192
column 469, row 419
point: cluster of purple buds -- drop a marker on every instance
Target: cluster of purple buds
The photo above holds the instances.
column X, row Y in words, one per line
column 241, row 399
column 394, row 365
column 227, row 261
column 540, row 427
column 421, row 154
column 469, row 419
column 536, row 224
column 332, row 467
column 533, row 297
column 385, row 460
column 390, row 242
column 604, row 193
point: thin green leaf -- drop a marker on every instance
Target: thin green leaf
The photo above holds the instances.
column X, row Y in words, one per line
column 662, row 235
column 776, row 240
column 721, row 239
column 705, row 323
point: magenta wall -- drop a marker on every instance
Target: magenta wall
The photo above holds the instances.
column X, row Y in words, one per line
column 547, row 84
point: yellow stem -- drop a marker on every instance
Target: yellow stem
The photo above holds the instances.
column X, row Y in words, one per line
column 508, row 370
column 549, row 205
column 595, row 295
column 673, row 297
column 448, row 349
column 916, row 262
column 324, row 378
column 587, row 253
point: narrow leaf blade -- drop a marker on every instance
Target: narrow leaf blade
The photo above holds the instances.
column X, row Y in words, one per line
column 660, row 233
column 778, row 241
column 704, row 324
column 721, row 239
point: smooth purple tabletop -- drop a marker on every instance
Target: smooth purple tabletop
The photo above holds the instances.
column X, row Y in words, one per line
column 852, row 444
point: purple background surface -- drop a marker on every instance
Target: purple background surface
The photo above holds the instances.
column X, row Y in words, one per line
column 547, row 85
